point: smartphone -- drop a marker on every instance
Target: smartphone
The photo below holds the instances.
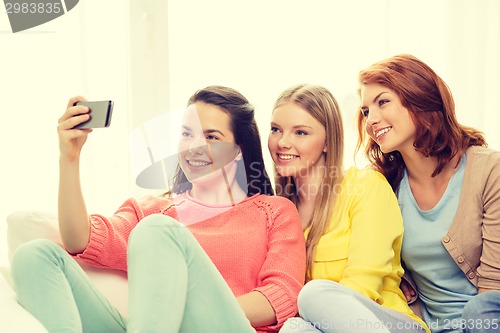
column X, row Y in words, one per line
column 100, row 114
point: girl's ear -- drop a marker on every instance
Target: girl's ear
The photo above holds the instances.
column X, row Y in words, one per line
column 239, row 156
column 325, row 148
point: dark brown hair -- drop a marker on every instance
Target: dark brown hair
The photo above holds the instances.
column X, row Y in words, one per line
column 246, row 136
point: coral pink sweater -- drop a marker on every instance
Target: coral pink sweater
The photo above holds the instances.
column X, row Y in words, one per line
column 257, row 245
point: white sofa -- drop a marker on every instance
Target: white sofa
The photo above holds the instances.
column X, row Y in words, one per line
column 23, row 226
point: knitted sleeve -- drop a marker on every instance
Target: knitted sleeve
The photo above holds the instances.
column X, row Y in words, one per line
column 489, row 268
column 376, row 237
column 107, row 247
column 282, row 274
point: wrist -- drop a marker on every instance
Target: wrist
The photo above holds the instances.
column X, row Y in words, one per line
column 69, row 159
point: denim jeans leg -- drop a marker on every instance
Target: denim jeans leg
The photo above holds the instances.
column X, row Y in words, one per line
column 53, row 287
column 482, row 313
column 173, row 284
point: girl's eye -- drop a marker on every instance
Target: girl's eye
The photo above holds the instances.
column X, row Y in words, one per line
column 382, row 102
column 212, row 137
column 274, row 129
column 301, row 132
column 185, row 134
column 365, row 112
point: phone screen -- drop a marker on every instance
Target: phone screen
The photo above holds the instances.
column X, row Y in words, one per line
column 100, row 114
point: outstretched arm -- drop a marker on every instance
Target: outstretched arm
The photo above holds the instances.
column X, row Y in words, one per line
column 73, row 218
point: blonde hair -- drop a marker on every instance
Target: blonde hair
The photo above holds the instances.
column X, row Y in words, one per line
column 322, row 106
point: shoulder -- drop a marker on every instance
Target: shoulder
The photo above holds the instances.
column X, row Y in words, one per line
column 365, row 176
column 273, row 202
column 482, row 161
column 482, row 154
column 363, row 173
column 152, row 203
column 278, row 209
column 367, row 188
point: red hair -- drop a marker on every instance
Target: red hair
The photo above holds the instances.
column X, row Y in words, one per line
column 430, row 104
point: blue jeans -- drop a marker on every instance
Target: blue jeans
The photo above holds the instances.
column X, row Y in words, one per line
column 327, row 306
column 173, row 286
column 482, row 313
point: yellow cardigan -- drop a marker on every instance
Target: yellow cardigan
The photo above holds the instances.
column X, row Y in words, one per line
column 362, row 247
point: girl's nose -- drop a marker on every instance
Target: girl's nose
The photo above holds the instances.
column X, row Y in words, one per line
column 373, row 118
column 284, row 142
column 198, row 146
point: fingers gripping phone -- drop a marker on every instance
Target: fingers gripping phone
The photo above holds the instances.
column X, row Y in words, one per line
column 100, row 114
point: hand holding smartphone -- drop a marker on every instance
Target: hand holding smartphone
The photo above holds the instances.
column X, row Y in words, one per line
column 100, row 114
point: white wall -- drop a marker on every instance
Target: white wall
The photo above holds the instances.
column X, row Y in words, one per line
column 149, row 56
column 262, row 47
column 84, row 52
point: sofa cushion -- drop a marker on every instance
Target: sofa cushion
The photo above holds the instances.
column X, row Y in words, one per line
column 23, row 226
column 13, row 317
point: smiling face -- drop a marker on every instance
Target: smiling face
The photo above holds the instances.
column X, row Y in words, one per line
column 207, row 142
column 297, row 141
column 388, row 122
